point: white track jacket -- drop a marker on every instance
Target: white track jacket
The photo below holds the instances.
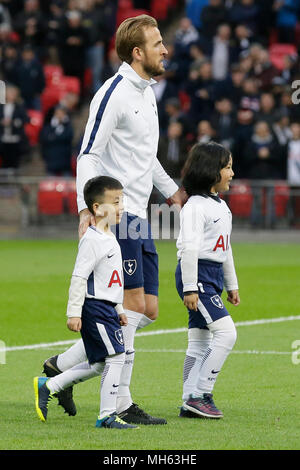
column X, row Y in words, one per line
column 120, row 140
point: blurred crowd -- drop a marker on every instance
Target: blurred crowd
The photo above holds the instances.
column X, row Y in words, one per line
column 231, row 76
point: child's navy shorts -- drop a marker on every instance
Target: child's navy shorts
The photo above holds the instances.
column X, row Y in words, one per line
column 210, row 287
column 101, row 331
column 140, row 259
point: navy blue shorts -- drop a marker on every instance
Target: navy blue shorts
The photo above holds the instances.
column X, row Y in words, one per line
column 210, row 287
column 140, row 258
column 101, row 331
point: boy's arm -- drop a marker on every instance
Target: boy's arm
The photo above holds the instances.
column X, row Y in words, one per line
column 122, row 316
column 76, row 300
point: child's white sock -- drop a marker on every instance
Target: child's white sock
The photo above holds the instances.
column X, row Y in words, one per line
column 72, row 356
column 79, row 373
column 110, row 381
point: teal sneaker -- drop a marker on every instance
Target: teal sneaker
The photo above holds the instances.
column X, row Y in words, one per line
column 114, row 422
column 42, row 396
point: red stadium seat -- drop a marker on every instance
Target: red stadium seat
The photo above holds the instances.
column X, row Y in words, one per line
column 281, row 199
column 50, row 97
column 159, row 9
column 71, row 197
column 51, row 197
column 240, row 199
column 34, row 126
column 69, row 85
column 124, row 14
column 53, row 74
column 278, row 51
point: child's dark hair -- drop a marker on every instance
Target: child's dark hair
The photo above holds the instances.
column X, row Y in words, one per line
column 202, row 167
column 95, row 187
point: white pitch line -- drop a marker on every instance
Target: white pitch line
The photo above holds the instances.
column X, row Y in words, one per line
column 232, row 352
column 150, row 333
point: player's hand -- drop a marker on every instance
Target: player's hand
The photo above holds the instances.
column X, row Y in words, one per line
column 123, row 319
column 179, row 198
column 74, row 324
column 233, row 297
column 85, row 220
column 191, row 301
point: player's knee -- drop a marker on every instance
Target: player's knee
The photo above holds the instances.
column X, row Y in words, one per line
column 134, row 300
column 224, row 332
column 151, row 310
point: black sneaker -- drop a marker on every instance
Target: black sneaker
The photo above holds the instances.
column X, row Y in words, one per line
column 136, row 415
column 185, row 413
column 65, row 397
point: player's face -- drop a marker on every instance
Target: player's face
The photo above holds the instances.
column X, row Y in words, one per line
column 153, row 53
column 111, row 207
column 226, row 176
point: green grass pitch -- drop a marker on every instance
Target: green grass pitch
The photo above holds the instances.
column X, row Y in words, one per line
column 257, row 390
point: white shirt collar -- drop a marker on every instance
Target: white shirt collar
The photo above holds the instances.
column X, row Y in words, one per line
column 127, row 71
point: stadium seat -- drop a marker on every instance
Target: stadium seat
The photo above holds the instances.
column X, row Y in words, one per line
column 50, row 198
column 278, row 51
column 71, row 197
column 53, row 74
column 240, row 199
column 124, row 14
column 34, row 126
column 50, row 97
column 68, row 84
column 159, row 9
column 281, row 199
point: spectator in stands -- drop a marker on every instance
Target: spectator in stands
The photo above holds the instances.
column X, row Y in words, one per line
column 245, row 12
column 5, row 18
column 174, row 113
column 13, row 141
column 54, row 21
column 283, row 134
column 163, row 90
column 242, row 40
column 250, row 94
column 73, row 43
column 9, row 63
column 264, row 70
column 95, row 20
column 287, row 12
column 201, row 89
column 232, row 87
column 205, row 132
column 263, row 159
column 172, row 149
column 291, row 68
column 31, row 26
column 262, row 153
column 224, row 121
column 112, row 65
column 267, row 108
column 221, row 52
column 287, row 104
column 242, row 135
column 293, row 170
column 212, row 15
column 30, row 78
column 56, row 143
column 185, row 35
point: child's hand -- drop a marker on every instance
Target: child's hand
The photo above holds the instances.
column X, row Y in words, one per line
column 74, row 323
column 233, row 297
column 123, row 319
column 191, row 301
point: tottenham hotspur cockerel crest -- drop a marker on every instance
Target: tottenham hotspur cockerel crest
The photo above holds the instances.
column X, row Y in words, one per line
column 129, row 266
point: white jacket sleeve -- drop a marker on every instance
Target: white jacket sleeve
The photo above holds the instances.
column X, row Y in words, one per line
column 98, row 131
column 230, row 278
column 162, row 181
column 192, row 227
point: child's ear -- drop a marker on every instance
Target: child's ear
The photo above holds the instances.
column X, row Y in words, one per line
column 95, row 207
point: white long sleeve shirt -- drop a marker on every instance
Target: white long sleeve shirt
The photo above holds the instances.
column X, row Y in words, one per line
column 121, row 139
column 205, row 229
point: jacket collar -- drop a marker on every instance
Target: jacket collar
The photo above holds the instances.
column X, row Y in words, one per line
column 127, row 71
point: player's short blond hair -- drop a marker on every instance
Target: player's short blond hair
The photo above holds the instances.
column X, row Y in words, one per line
column 130, row 34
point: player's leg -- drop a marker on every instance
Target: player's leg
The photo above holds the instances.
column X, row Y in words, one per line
column 60, row 363
column 108, row 417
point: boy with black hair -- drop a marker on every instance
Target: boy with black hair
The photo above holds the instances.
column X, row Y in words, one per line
column 95, row 306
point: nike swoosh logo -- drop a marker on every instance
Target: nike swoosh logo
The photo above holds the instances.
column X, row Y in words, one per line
column 215, row 221
column 129, row 352
column 215, row 371
column 136, row 111
column 115, row 386
column 109, row 256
